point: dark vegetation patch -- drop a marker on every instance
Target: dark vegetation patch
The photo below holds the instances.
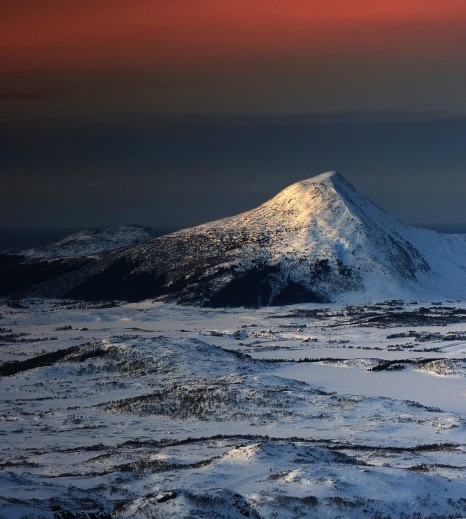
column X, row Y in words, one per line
column 145, row 465
column 217, row 503
column 389, row 314
column 12, row 337
column 428, row 447
column 210, row 399
column 120, row 280
column 182, row 402
column 343, row 503
column 422, row 316
column 167, row 496
column 70, row 304
column 310, row 313
column 310, row 360
column 333, row 274
column 320, row 270
column 294, row 293
column 221, row 498
column 392, row 365
column 61, row 509
column 74, row 354
column 11, row 259
column 67, row 514
column 19, row 276
column 422, row 336
column 251, row 289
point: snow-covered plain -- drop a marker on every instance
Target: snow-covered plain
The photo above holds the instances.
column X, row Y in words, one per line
column 150, row 410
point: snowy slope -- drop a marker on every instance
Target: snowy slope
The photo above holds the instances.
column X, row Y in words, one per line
column 93, row 241
column 318, row 240
column 327, row 236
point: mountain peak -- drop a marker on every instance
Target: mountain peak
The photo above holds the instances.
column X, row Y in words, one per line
column 326, row 197
column 309, row 186
column 327, row 178
column 317, row 240
column 322, row 177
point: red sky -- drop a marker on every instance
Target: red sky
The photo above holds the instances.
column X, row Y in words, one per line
column 267, row 52
column 85, row 81
column 54, row 35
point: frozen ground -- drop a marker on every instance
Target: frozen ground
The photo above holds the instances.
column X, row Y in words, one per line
column 155, row 411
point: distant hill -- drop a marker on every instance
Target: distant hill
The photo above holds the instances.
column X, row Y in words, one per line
column 93, row 241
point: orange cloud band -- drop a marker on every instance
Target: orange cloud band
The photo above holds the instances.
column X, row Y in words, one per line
column 135, row 33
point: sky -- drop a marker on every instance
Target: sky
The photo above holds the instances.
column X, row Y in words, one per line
column 170, row 113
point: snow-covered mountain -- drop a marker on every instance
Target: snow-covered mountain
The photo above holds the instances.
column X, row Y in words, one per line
column 317, row 240
column 93, row 241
